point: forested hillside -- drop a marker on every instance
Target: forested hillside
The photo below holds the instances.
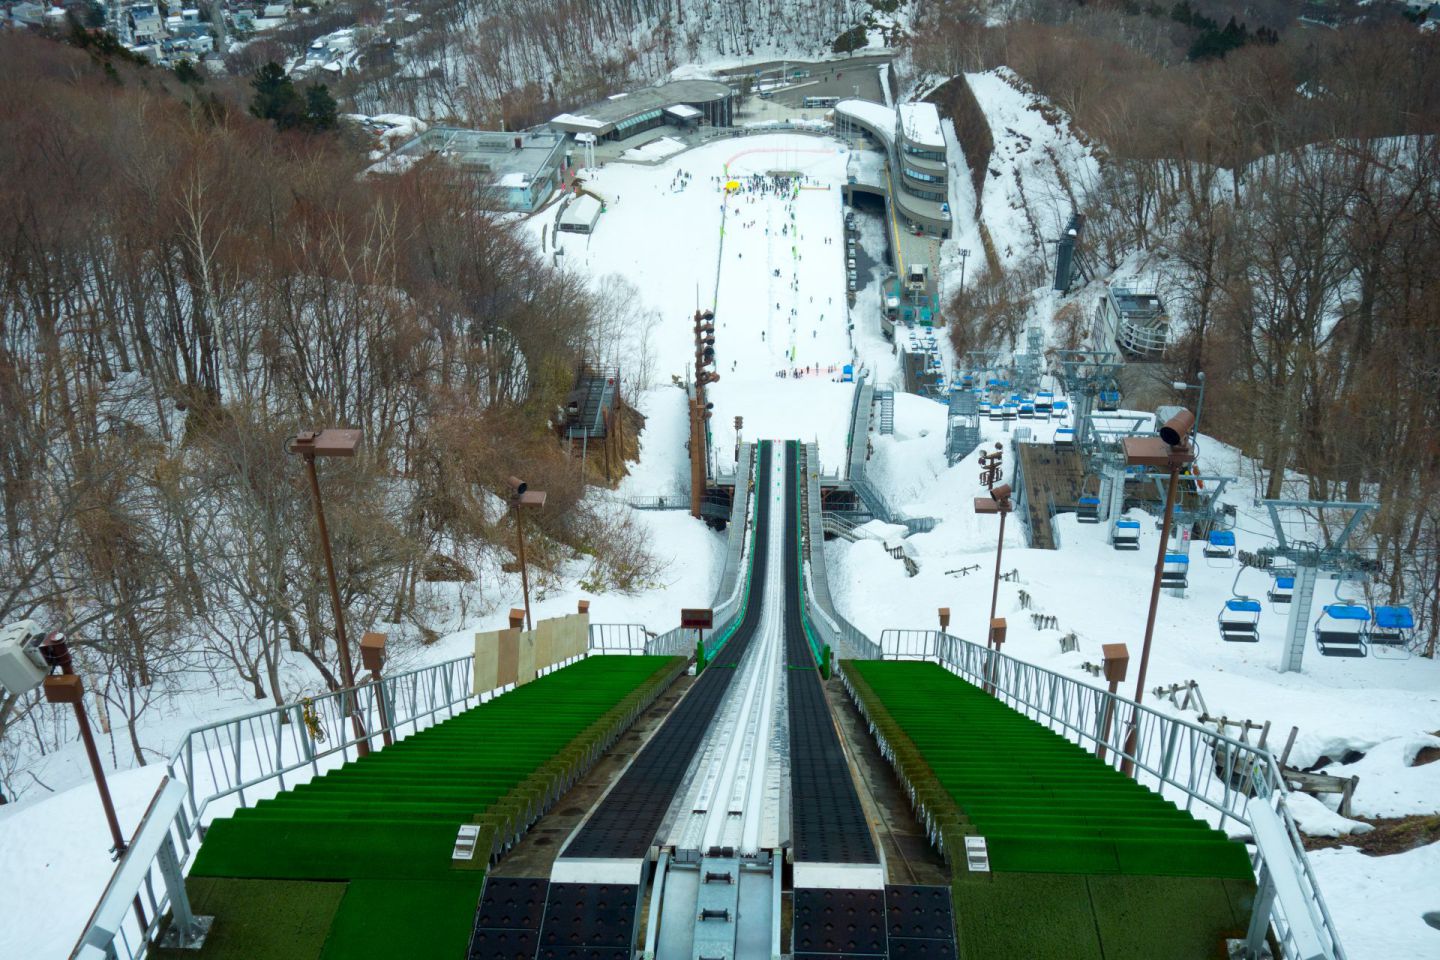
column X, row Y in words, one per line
column 1286, row 196
column 182, row 288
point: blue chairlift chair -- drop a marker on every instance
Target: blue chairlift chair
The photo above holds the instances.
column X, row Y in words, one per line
column 1044, row 401
column 1065, row 439
column 1010, row 410
column 1282, row 588
column 1220, row 548
column 1087, row 510
column 1109, row 400
column 1239, row 620
column 1392, row 631
column 1175, row 575
column 1341, row 630
column 1027, row 410
column 1125, row 535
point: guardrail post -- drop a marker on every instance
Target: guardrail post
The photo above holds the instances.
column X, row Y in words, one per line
column 1260, row 912
column 1167, row 761
column 187, row 931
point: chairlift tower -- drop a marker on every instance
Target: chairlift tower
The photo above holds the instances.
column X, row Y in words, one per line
column 1085, row 373
column 1309, row 559
column 1028, row 364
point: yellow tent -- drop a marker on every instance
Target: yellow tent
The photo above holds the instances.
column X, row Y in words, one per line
column 733, row 185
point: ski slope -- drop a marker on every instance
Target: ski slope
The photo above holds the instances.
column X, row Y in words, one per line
column 770, row 262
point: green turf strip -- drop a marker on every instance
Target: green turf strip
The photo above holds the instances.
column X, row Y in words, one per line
column 1044, row 805
column 386, row 919
column 395, row 813
column 261, row 919
column 386, row 824
column 1034, row 916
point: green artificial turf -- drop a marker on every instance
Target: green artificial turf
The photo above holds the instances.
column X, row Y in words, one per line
column 1044, row 804
column 386, row 824
column 1165, row 918
column 385, row 919
column 261, row 919
column 1031, row 915
column 1062, row 916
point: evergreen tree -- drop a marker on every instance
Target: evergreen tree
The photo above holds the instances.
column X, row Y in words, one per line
column 186, row 73
column 321, row 111
column 276, row 98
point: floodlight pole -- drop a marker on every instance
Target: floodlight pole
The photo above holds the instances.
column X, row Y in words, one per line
column 524, row 569
column 69, row 688
column 1174, row 446
column 305, row 445
column 1004, row 508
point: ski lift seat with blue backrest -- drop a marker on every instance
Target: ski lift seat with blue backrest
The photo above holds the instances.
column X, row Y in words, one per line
column 1087, row 510
column 1220, row 544
column 1239, row 620
column 1341, row 630
column 1125, row 535
column 1392, row 626
column 1282, row 590
column 1065, row 438
column 1176, row 572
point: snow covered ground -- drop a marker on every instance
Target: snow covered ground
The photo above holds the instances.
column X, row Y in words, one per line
column 779, row 300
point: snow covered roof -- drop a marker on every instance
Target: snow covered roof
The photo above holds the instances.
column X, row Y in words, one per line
column 683, row 111
column 876, row 117
column 572, row 120
column 584, row 209
column 612, row 112
column 515, row 180
column 920, row 124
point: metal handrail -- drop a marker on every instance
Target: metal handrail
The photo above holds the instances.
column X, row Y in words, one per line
column 1205, row 766
column 277, row 747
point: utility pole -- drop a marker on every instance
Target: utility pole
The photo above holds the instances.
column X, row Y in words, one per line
column 1172, row 450
column 998, row 502
column 700, row 408
column 333, row 443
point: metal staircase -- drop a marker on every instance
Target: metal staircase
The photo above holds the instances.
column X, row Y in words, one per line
column 886, row 399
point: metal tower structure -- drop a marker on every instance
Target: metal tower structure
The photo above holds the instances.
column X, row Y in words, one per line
column 1085, row 373
column 1309, row 559
column 1029, row 364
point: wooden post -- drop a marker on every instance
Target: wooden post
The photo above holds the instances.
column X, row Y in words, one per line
column 1289, row 742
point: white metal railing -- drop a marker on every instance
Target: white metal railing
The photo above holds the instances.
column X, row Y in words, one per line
column 1210, row 773
column 232, row 756
column 130, row 912
column 268, row 750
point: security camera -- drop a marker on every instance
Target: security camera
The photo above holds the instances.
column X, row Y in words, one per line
column 1177, row 428
column 518, row 486
column 22, row 663
column 1000, row 493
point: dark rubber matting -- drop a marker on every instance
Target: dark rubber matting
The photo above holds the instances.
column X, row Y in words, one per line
column 589, row 921
column 626, row 821
column 507, row 925
column 827, row 822
column 850, row 922
column 901, row 923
